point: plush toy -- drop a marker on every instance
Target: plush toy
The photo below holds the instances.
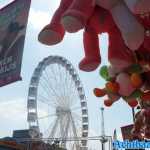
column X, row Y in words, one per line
column 141, row 10
column 73, row 15
column 100, row 21
column 138, row 6
column 53, row 33
column 132, row 32
column 145, row 21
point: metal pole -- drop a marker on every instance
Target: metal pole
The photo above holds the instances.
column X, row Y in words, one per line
column 111, row 143
column 133, row 114
column 102, row 122
column 103, row 146
column 102, row 129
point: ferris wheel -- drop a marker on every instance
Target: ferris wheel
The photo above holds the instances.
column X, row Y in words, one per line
column 57, row 107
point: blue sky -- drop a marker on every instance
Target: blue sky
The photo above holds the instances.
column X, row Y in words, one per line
column 13, row 98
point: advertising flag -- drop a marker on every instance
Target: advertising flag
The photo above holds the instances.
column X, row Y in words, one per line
column 13, row 23
column 126, row 132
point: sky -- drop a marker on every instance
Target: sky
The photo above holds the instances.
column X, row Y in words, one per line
column 13, row 97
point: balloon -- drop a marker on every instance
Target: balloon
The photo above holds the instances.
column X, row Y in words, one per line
column 108, row 102
column 133, row 102
column 112, row 87
column 135, row 68
column 104, row 73
column 136, row 80
column 126, row 88
column 99, row 92
column 136, row 94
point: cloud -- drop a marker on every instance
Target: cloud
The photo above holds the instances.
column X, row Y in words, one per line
column 13, row 116
column 38, row 19
column 4, row 3
column 13, row 108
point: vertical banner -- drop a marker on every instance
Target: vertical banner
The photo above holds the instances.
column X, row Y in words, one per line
column 13, row 23
column 126, row 132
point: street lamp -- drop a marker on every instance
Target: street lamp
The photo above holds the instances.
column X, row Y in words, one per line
column 103, row 136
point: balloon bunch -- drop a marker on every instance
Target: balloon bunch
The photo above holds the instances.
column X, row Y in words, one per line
column 127, row 84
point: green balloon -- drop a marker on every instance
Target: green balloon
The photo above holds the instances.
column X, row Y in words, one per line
column 135, row 68
column 104, row 73
column 136, row 94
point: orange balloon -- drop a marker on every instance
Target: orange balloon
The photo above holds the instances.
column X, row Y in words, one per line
column 133, row 103
column 99, row 92
column 108, row 102
column 112, row 87
column 136, row 80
